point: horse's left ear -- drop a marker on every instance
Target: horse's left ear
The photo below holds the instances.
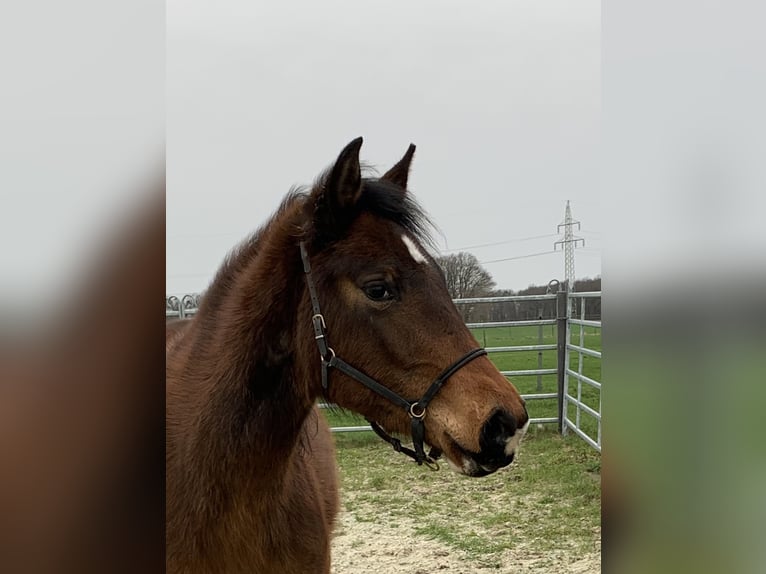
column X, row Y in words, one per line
column 401, row 171
column 344, row 186
column 335, row 200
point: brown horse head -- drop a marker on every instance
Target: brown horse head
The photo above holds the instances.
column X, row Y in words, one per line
column 388, row 313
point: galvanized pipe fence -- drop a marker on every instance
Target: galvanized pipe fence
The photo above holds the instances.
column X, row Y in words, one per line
column 540, row 348
column 183, row 308
column 586, row 419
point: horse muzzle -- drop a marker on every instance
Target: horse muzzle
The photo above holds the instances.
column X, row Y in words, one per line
column 499, row 441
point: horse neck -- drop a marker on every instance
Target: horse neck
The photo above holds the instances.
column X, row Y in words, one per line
column 240, row 395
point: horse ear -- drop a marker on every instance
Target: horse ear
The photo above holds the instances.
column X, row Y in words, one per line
column 340, row 192
column 401, row 171
column 344, row 186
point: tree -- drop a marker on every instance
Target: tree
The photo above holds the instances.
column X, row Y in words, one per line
column 502, row 311
column 592, row 304
column 465, row 276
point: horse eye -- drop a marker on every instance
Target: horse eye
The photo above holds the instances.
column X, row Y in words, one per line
column 377, row 292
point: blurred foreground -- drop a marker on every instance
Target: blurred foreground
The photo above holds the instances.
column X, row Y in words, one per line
column 82, row 250
column 82, row 415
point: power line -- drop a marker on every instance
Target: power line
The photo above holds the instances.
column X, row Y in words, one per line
column 517, row 257
column 517, row 240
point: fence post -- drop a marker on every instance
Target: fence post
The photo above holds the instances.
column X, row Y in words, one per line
column 539, row 353
column 561, row 332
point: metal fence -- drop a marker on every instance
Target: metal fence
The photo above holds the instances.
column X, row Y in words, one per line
column 182, row 308
column 539, row 348
column 586, row 407
column 587, row 418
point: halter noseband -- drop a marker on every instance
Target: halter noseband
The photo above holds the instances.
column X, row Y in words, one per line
column 415, row 409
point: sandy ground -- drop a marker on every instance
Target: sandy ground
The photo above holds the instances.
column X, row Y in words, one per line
column 365, row 547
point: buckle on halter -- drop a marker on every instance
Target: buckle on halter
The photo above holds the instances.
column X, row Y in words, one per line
column 417, row 415
column 328, row 361
column 319, row 316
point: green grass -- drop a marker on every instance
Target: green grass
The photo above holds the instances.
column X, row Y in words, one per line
column 548, row 499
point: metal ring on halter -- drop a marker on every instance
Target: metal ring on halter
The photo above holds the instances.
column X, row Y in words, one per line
column 415, row 415
column 328, row 361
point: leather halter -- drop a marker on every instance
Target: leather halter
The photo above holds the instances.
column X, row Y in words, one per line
column 415, row 409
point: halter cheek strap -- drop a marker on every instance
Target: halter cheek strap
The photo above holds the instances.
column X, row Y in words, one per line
column 415, row 409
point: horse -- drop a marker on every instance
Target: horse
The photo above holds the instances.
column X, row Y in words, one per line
column 337, row 297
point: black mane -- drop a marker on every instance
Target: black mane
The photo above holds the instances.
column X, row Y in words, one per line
column 389, row 201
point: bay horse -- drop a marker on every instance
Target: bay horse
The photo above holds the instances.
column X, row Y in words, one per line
column 334, row 297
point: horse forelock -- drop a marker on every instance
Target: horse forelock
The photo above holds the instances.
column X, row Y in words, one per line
column 388, row 201
column 380, row 198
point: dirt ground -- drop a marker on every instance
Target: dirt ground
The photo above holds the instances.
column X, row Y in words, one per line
column 367, row 547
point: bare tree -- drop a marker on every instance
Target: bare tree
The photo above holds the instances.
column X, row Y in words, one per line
column 465, row 276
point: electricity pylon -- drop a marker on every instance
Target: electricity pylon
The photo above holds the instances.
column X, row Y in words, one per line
column 568, row 245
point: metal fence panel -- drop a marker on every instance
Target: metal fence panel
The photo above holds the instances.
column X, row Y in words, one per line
column 587, row 420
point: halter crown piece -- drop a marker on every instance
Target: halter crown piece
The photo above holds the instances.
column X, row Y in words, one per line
column 415, row 409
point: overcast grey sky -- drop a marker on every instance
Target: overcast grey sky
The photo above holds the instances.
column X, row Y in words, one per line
column 502, row 100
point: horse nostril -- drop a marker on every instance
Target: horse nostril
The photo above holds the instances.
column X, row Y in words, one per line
column 497, row 430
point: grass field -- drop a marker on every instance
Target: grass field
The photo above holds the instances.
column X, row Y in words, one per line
column 544, row 508
column 546, row 505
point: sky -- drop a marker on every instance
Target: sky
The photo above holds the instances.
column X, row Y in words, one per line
column 502, row 99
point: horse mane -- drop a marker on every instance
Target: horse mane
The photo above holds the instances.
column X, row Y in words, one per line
column 241, row 255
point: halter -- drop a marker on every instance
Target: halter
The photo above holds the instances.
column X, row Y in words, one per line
column 415, row 409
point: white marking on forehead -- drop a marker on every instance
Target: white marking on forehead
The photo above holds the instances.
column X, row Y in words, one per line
column 417, row 255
